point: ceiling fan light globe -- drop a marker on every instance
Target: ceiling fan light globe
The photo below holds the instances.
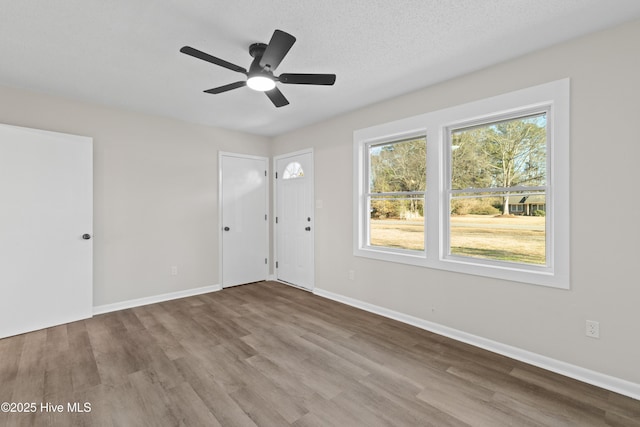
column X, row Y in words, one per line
column 261, row 83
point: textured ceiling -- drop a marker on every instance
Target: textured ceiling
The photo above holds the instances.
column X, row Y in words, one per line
column 125, row 53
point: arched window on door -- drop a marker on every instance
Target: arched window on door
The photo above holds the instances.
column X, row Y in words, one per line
column 292, row 171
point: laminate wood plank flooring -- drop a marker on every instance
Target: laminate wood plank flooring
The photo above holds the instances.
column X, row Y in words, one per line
column 266, row 354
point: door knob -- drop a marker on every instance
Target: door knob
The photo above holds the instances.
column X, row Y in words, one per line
column 86, row 236
column 308, row 228
column 227, row 229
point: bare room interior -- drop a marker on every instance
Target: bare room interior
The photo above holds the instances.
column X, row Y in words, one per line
column 426, row 219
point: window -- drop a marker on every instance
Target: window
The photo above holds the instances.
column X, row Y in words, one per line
column 498, row 170
column 495, row 168
column 395, row 198
column 292, row 171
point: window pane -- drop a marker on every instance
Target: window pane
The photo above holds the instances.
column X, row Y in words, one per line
column 292, row 171
column 488, row 220
column 398, row 166
column 518, row 237
column 509, row 153
column 397, row 222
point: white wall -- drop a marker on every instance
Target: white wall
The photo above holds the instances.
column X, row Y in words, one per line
column 605, row 149
column 155, row 192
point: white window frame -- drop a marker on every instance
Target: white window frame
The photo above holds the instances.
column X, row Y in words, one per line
column 370, row 137
column 369, row 196
column 553, row 97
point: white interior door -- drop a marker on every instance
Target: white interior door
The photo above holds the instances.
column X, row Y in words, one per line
column 244, row 224
column 295, row 219
column 46, row 206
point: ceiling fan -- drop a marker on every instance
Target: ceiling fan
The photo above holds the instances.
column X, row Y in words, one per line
column 260, row 77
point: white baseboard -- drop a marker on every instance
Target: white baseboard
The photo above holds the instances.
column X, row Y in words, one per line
column 107, row 308
column 598, row 379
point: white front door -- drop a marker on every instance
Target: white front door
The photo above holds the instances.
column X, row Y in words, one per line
column 295, row 219
column 46, row 206
column 243, row 219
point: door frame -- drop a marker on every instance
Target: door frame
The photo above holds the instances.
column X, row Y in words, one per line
column 222, row 154
column 274, row 214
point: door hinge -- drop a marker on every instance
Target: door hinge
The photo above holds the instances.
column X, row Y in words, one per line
column 276, row 175
column 276, row 264
column 265, row 261
column 265, row 173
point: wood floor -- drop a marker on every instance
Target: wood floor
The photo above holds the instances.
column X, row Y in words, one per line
column 267, row 354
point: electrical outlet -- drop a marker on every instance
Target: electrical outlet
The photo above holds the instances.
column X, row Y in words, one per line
column 174, row 270
column 593, row 329
column 352, row 275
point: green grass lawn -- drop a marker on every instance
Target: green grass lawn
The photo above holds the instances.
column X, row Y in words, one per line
column 516, row 239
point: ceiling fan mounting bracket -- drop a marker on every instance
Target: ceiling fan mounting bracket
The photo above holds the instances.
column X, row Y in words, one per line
column 257, row 49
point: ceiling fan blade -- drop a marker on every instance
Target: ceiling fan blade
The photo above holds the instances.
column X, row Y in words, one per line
column 228, row 87
column 217, row 61
column 277, row 97
column 308, row 79
column 276, row 50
